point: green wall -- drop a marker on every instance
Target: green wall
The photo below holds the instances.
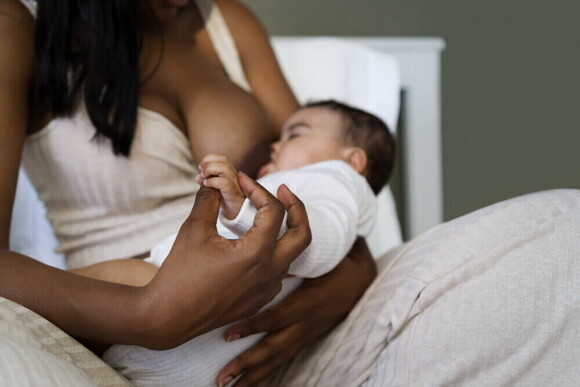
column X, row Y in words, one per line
column 510, row 81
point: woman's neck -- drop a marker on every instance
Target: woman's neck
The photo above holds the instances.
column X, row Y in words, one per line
column 163, row 14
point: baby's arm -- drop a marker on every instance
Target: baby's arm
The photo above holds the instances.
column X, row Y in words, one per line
column 339, row 206
column 217, row 172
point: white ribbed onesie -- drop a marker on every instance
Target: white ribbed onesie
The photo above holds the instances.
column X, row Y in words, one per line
column 340, row 206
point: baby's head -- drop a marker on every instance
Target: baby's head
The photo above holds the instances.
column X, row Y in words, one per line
column 330, row 130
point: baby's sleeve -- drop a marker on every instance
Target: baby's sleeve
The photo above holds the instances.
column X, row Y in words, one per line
column 337, row 200
column 333, row 202
column 235, row 228
column 241, row 224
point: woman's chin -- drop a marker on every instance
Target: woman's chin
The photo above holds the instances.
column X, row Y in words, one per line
column 177, row 3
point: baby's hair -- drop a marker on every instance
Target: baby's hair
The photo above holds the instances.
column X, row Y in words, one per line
column 370, row 133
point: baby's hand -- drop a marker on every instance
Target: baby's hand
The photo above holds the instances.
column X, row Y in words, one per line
column 217, row 172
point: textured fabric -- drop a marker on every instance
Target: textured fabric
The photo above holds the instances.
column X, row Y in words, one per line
column 491, row 298
column 340, row 206
column 34, row 352
column 195, row 363
column 104, row 207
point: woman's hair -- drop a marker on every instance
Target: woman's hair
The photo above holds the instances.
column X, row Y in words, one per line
column 88, row 51
column 370, row 133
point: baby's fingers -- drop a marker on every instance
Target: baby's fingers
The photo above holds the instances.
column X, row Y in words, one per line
column 223, row 184
column 213, row 157
column 218, row 168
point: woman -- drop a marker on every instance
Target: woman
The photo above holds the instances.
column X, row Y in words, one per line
column 162, row 88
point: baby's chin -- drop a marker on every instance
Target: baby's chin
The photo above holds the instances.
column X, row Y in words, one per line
column 266, row 169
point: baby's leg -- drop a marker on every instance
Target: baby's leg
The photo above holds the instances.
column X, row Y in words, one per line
column 131, row 271
column 195, row 363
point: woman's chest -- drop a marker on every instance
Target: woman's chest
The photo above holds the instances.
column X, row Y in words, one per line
column 189, row 85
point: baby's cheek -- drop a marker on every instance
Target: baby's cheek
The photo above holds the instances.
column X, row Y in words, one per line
column 291, row 160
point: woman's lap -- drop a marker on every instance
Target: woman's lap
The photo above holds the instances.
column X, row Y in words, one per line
column 491, row 297
column 488, row 298
column 33, row 351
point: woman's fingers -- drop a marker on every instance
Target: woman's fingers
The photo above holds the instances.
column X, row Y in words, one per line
column 185, row 285
column 204, row 214
column 297, row 236
column 273, row 319
column 270, row 212
column 258, row 362
column 302, row 318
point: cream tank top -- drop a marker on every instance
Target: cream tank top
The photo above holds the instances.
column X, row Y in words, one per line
column 105, row 207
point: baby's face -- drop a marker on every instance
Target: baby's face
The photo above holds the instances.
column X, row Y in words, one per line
column 310, row 135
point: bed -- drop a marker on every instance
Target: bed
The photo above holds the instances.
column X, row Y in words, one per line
column 491, row 298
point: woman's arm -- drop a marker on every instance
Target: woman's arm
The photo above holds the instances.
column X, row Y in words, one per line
column 184, row 299
column 301, row 319
column 260, row 64
column 16, row 77
column 173, row 307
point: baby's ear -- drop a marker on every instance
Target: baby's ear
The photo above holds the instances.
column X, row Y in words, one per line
column 356, row 157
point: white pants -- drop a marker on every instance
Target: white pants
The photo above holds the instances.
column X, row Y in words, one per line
column 195, row 363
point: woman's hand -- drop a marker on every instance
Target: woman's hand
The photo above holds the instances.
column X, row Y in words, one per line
column 301, row 319
column 214, row 281
column 206, row 282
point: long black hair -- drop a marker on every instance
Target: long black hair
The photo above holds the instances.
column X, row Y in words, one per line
column 88, row 50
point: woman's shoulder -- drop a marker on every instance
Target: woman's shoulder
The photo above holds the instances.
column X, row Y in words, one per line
column 16, row 32
column 236, row 10
column 241, row 20
column 15, row 11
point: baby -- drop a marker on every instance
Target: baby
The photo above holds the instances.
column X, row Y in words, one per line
column 335, row 158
